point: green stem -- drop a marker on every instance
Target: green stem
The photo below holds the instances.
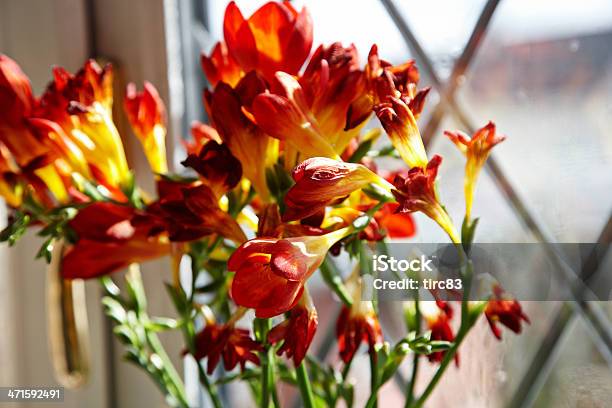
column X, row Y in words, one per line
column 373, row 400
column 334, row 281
column 210, row 388
column 415, row 360
column 267, row 367
column 305, row 387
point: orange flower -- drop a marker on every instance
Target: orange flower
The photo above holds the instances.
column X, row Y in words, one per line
column 320, row 182
column 400, row 124
column 108, row 241
column 275, row 38
column 220, row 66
column 297, row 331
column 286, row 116
column 10, row 188
column 438, row 316
column 271, row 272
column 477, row 150
column 358, row 323
column 147, row 115
column 189, row 212
column 417, row 192
column 218, row 169
column 504, row 310
column 224, row 340
column 395, row 224
column 253, row 148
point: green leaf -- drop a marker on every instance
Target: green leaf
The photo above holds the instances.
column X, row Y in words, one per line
column 114, row 309
column 16, row 228
column 361, row 151
column 158, row 324
column 46, row 250
column 378, row 193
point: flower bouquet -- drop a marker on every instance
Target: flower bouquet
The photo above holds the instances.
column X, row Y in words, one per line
column 283, row 181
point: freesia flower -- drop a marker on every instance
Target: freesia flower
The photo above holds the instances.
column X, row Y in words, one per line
column 438, row 316
column 384, row 80
column 147, row 115
column 297, row 331
column 417, row 192
column 275, row 38
column 10, row 189
column 201, row 134
column 504, row 310
column 189, row 212
column 285, row 115
column 216, row 165
column 477, row 150
column 16, row 105
column 108, row 241
column 357, row 323
column 271, row 272
column 320, row 182
column 248, row 143
column 81, row 105
column 220, row 66
column 331, row 82
column 400, row 124
column 225, row 341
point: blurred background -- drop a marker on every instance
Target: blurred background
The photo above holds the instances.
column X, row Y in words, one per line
column 541, row 69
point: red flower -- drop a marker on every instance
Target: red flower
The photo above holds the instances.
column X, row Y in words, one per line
column 275, row 38
column 224, row 340
column 438, row 316
column 384, row 80
column 189, row 212
column 220, row 66
column 320, row 182
column 417, row 192
column 216, row 165
column 147, row 115
column 358, row 323
column 271, row 272
column 477, row 150
column 506, row 311
column 248, row 143
column 297, row 331
column 17, row 104
column 108, row 241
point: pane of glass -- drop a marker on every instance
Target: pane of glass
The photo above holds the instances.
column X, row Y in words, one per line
column 580, row 377
column 546, row 82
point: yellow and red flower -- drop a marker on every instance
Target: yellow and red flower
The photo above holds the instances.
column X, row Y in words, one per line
column 320, row 182
column 400, row 124
column 477, row 150
column 271, row 272
column 357, row 323
column 275, row 38
column 108, row 241
column 225, row 341
column 505, row 310
column 248, row 143
column 297, row 331
column 286, row 116
column 147, row 115
column 417, row 192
